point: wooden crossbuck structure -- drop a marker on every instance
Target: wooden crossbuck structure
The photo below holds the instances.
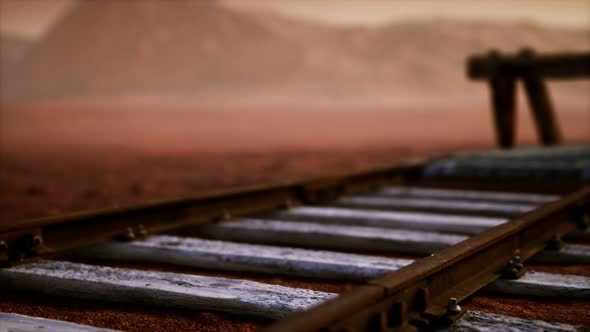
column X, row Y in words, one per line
column 502, row 72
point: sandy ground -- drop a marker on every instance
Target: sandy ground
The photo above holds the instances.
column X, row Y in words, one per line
column 59, row 158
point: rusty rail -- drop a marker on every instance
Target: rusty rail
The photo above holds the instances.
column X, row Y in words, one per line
column 502, row 73
column 28, row 239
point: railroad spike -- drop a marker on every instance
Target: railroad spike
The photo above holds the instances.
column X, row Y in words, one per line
column 453, row 307
column 129, row 234
column 289, row 203
column 514, row 269
column 141, row 231
column 37, row 241
column 225, row 215
column 30, row 242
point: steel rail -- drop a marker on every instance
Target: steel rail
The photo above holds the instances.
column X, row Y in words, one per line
column 421, row 295
column 28, row 239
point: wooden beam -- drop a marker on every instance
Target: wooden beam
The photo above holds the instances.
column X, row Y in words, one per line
column 539, row 101
column 503, row 91
column 14, row 322
column 467, row 195
column 245, row 257
column 177, row 290
column 417, row 221
column 554, row 66
column 325, row 236
column 541, row 284
column 377, row 202
column 483, row 321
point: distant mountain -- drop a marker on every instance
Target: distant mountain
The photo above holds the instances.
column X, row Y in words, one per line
column 12, row 49
column 201, row 48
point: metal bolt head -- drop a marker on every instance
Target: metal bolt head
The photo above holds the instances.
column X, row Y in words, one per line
column 129, row 235
column 37, row 240
column 515, row 260
column 514, row 268
column 141, row 231
column 453, row 307
column 31, row 242
column 289, row 203
column 226, row 215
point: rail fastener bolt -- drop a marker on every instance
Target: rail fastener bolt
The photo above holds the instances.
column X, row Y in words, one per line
column 225, row 215
column 514, row 269
column 37, row 241
column 288, row 204
column 30, row 242
column 129, row 234
column 453, row 307
column 141, row 231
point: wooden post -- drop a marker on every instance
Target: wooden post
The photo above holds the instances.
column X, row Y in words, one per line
column 503, row 89
column 539, row 101
column 501, row 72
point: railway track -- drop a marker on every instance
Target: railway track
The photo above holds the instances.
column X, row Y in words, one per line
column 394, row 249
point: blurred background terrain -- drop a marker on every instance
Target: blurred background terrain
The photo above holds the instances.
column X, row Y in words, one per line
column 116, row 102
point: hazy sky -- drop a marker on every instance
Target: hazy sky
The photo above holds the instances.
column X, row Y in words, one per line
column 568, row 13
column 31, row 18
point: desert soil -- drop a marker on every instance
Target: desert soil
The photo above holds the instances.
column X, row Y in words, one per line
column 61, row 158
